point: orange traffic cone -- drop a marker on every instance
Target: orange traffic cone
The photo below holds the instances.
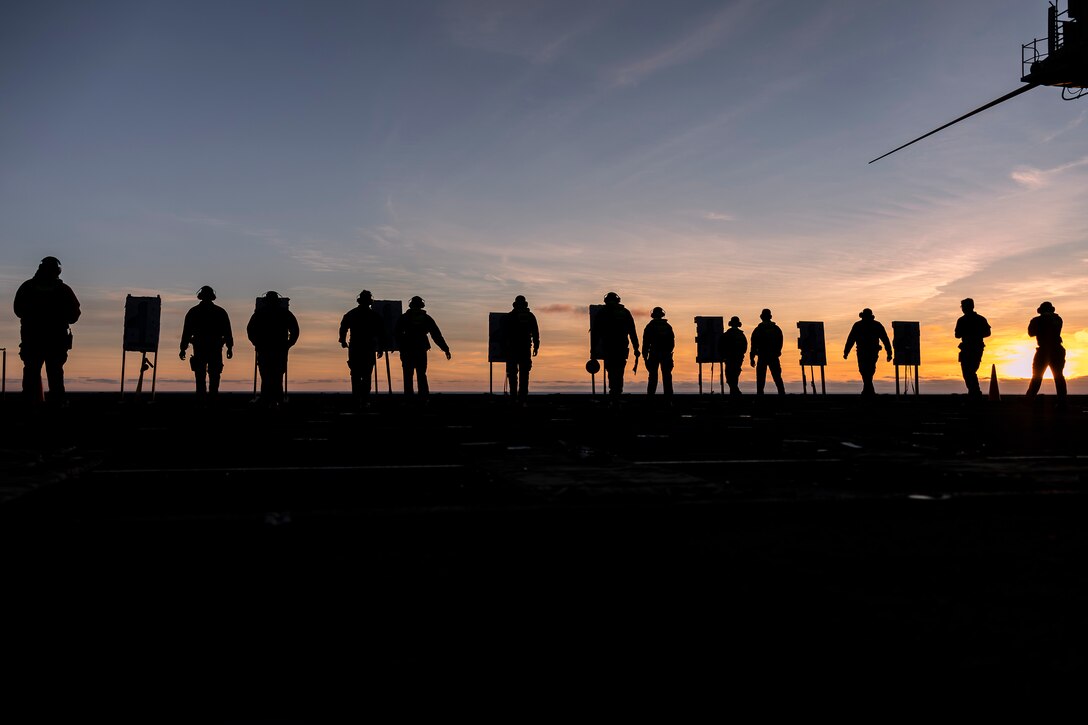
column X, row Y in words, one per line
column 994, row 393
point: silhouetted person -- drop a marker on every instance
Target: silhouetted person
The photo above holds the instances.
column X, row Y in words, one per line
column 1049, row 353
column 731, row 349
column 767, row 349
column 362, row 332
column 207, row 327
column 520, row 341
column 971, row 329
column 45, row 307
column 273, row 330
column 658, row 342
column 867, row 334
column 612, row 327
column 411, row 330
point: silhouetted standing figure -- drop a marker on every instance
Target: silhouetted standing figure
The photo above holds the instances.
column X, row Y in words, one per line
column 521, row 341
column 207, row 327
column 731, row 350
column 867, row 334
column 362, row 332
column 273, row 330
column 612, row 327
column 767, row 348
column 1049, row 353
column 971, row 329
column 411, row 330
column 658, row 342
column 45, row 306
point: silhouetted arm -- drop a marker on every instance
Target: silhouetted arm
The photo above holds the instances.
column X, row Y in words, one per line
column 73, row 305
column 292, row 329
column 849, row 343
column 534, row 331
column 632, row 333
column 344, row 331
column 887, row 343
column 436, row 335
column 228, row 335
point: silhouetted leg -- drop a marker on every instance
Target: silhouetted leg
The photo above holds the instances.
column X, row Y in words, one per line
column 969, row 363
column 54, row 370
column 1038, row 367
column 615, row 370
column 732, row 376
column 32, row 375
column 651, row 376
column 523, row 380
column 407, row 370
column 666, row 376
column 421, row 375
column 761, row 376
column 215, row 374
column 201, row 381
column 1057, row 367
column 776, row 374
column 512, row 377
column 867, row 368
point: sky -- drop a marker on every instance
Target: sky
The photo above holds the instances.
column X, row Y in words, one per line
column 710, row 158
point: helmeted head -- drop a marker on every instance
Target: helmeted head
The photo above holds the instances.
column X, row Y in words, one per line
column 734, row 321
column 1045, row 307
column 611, row 298
column 50, row 266
column 657, row 313
column 271, row 295
column 765, row 314
column 866, row 314
column 205, row 293
column 967, row 304
column 416, row 303
column 365, row 298
column 520, row 303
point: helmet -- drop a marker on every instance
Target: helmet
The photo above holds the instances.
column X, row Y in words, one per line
column 50, row 265
column 866, row 314
column 205, row 293
column 520, row 301
column 416, row 303
column 765, row 314
column 1045, row 307
column 734, row 321
column 611, row 297
column 364, row 296
column 657, row 312
column 271, row 295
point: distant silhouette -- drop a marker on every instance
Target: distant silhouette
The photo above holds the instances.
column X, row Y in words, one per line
column 731, row 349
column 1047, row 331
column 273, row 330
column 363, row 333
column 45, row 306
column 767, row 348
column 971, row 329
column 520, row 341
column 207, row 327
column 411, row 331
column 867, row 334
column 612, row 327
column 658, row 342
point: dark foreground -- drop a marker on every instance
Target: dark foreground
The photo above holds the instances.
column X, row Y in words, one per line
column 804, row 537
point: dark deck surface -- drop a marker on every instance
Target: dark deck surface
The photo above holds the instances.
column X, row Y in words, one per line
column 796, row 534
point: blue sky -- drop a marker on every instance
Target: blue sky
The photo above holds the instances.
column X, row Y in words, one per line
column 707, row 157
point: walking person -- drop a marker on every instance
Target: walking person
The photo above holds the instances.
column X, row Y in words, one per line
column 867, row 334
column 658, row 343
column 612, row 327
column 207, row 327
column 731, row 349
column 767, row 349
column 412, row 330
column 1049, row 353
column 45, row 306
column 521, row 342
column 273, row 330
column 971, row 329
column 363, row 333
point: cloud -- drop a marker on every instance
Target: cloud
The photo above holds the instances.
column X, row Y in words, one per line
column 1034, row 178
column 563, row 310
column 715, row 216
column 705, row 37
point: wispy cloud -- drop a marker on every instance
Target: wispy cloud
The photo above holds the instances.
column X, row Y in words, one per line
column 1066, row 128
column 705, row 37
column 1034, row 178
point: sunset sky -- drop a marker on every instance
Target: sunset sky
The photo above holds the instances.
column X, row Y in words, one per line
column 706, row 157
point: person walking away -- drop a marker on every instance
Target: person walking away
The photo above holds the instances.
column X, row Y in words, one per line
column 362, row 332
column 1049, row 353
column 731, row 349
column 521, row 342
column 658, row 342
column 46, row 307
column 767, row 349
column 207, row 328
column 612, row 327
column 412, row 330
column 273, row 330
